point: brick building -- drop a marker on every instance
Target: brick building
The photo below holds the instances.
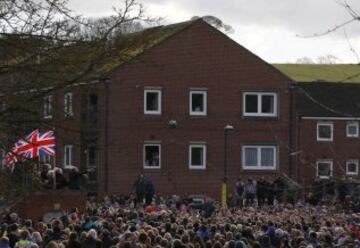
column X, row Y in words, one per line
column 326, row 123
column 163, row 113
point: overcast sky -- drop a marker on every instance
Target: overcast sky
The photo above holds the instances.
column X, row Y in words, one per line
column 269, row 28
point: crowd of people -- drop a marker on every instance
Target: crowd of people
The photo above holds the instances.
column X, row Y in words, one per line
column 260, row 214
column 144, row 219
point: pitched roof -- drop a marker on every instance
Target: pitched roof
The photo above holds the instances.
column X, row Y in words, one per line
column 341, row 73
column 328, row 99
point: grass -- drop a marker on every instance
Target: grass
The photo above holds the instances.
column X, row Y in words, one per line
column 343, row 73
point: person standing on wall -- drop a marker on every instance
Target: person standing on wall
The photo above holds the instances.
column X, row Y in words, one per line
column 149, row 191
column 139, row 188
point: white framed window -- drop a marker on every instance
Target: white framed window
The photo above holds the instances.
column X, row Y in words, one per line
column 68, row 155
column 47, row 106
column 352, row 167
column 259, row 157
column 197, row 156
column 68, row 104
column 260, row 104
column 324, row 169
column 198, row 103
column 325, row 131
column 152, row 102
column 352, row 129
column 152, row 156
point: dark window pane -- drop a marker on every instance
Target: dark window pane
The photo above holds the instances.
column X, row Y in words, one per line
column 324, row 169
column 267, row 157
column 152, row 101
column 93, row 101
column 197, row 102
column 324, row 131
column 352, row 130
column 197, row 156
column 152, row 156
column 267, row 104
column 251, row 103
column 250, row 156
column 352, row 167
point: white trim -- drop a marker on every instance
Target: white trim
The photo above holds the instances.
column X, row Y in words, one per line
column 47, row 106
column 71, row 148
column 204, row 102
column 330, row 162
column 318, row 138
column 68, row 112
column 258, row 150
column 152, row 112
column 197, row 167
column 356, row 124
column 331, row 118
column 352, row 161
column 144, row 156
column 259, row 104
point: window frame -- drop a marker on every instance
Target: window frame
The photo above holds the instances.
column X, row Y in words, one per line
column 258, row 151
column 152, row 112
column 352, row 161
column 144, row 156
column 196, row 167
column 196, row 113
column 68, row 112
column 259, row 104
column 318, row 124
column 348, row 135
column 71, row 155
column 330, row 161
column 48, row 107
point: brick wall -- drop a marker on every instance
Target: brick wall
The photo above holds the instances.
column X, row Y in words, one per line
column 35, row 205
column 198, row 57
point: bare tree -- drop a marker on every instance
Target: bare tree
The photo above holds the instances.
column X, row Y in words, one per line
column 45, row 46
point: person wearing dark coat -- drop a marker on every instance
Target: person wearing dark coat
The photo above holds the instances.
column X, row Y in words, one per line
column 149, row 191
column 139, row 188
column 73, row 241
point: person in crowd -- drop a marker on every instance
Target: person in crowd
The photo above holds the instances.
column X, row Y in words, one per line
column 139, row 188
column 250, row 192
column 239, row 192
column 74, row 178
column 184, row 222
column 149, row 190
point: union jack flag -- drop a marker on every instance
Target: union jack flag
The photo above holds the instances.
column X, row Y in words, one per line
column 11, row 158
column 34, row 145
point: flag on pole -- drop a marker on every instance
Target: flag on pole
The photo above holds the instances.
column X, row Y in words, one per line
column 32, row 146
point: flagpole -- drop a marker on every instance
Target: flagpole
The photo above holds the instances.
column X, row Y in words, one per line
column 54, row 186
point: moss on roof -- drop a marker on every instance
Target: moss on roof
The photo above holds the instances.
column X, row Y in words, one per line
column 136, row 43
column 344, row 73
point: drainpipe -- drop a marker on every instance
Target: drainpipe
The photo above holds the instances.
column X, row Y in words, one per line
column 292, row 88
column 106, row 133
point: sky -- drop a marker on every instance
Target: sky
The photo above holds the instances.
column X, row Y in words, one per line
column 272, row 29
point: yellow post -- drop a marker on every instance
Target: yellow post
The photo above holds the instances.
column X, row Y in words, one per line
column 224, row 195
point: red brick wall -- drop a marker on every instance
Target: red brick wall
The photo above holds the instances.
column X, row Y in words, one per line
column 35, row 205
column 339, row 150
column 199, row 56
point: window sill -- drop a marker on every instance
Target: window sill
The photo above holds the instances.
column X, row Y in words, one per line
column 152, row 114
column 272, row 118
column 272, row 169
column 324, row 140
column 151, row 168
column 192, row 168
